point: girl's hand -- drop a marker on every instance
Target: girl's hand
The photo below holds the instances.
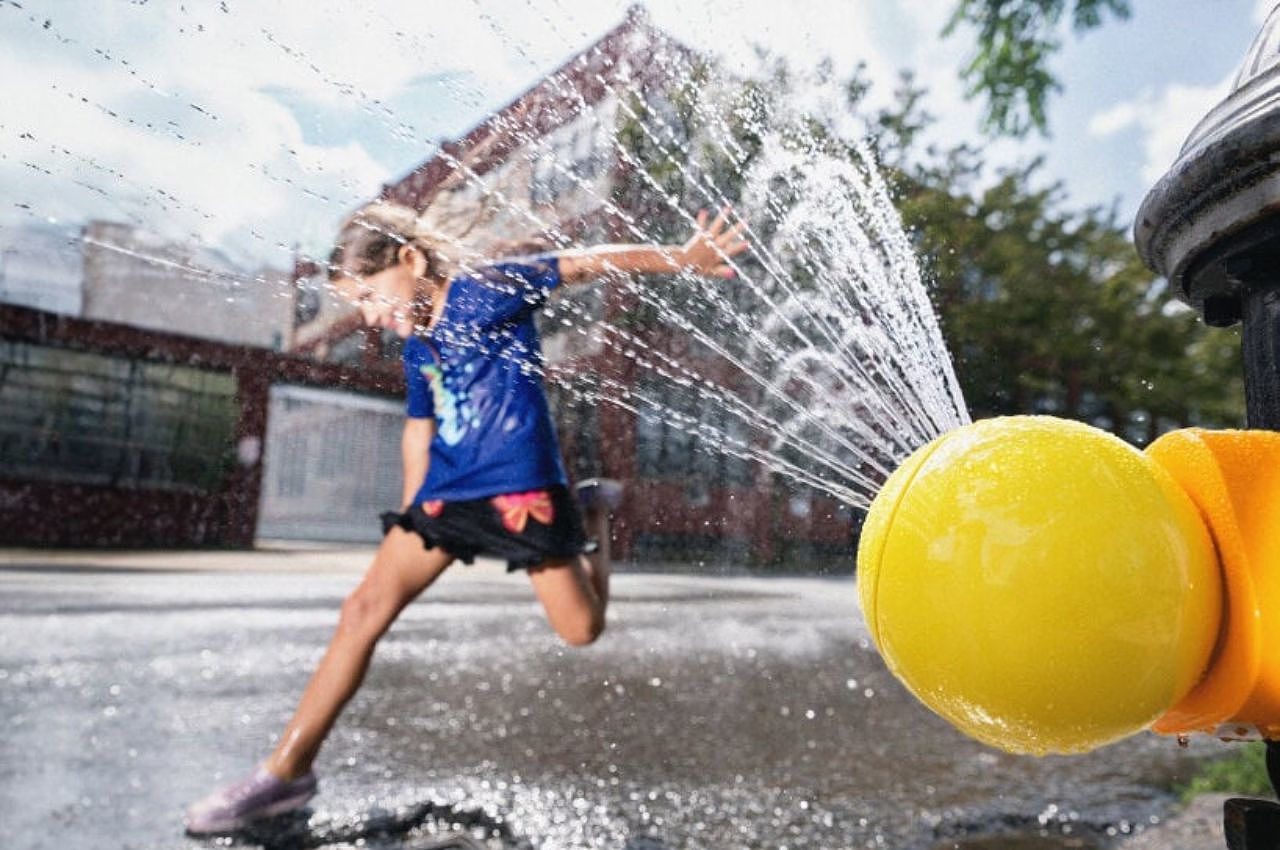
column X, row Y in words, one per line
column 707, row 250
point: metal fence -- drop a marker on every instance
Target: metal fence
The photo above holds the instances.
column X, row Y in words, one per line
column 332, row 464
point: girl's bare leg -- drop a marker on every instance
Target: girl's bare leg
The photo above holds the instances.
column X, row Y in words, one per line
column 401, row 570
column 575, row 592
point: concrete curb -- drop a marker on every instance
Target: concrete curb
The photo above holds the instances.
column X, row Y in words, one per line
column 267, row 558
column 260, row 560
column 1196, row 827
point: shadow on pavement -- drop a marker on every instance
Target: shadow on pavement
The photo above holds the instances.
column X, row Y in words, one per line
column 426, row 826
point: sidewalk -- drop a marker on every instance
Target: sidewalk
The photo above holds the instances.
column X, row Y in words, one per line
column 271, row 556
column 297, row 556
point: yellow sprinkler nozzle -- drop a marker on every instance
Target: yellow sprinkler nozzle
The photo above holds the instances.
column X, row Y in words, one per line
column 1040, row 584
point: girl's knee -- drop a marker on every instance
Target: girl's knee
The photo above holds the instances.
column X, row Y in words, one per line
column 365, row 613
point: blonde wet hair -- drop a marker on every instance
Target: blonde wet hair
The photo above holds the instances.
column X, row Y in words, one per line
column 370, row 239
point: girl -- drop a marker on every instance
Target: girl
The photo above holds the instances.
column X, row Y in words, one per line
column 482, row 468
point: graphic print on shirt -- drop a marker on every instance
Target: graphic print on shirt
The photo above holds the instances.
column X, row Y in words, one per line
column 453, row 414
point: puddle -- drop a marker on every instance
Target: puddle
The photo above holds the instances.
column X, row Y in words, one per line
column 1019, row 842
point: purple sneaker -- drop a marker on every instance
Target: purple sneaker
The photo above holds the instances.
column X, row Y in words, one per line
column 599, row 493
column 258, row 795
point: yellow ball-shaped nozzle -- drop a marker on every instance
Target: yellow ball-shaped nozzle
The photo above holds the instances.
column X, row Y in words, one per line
column 1039, row 583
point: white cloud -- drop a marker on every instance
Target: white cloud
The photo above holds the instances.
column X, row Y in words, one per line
column 1164, row 119
column 161, row 116
column 246, row 165
column 205, row 73
column 1108, row 122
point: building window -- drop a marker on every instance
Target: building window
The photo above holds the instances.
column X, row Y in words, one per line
column 682, row 435
column 96, row 419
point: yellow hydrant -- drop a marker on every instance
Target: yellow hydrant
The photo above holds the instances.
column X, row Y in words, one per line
column 1046, row 587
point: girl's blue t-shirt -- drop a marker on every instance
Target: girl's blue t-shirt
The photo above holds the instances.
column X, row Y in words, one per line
column 478, row 373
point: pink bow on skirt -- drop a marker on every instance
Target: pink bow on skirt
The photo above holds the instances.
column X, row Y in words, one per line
column 516, row 508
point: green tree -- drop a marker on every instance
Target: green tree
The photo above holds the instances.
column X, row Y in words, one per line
column 1015, row 39
column 1050, row 310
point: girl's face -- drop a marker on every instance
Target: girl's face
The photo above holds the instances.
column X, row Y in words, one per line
column 387, row 299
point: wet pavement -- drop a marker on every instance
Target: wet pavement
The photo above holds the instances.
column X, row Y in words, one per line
column 713, row 713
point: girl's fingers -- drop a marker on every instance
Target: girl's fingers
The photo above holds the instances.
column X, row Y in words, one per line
column 736, row 247
column 702, row 219
column 718, row 223
column 724, row 271
column 727, row 238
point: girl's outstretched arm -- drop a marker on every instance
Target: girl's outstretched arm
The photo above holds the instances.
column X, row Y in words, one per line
column 706, row 253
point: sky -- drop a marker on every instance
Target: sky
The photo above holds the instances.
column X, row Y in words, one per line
column 254, row 127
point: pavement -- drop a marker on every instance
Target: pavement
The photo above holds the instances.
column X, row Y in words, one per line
column 271, row 556
column 715, row 712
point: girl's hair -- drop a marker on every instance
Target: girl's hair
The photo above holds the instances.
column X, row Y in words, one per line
column 371, row 237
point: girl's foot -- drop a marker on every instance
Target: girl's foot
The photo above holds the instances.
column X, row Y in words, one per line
column 258, row 795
